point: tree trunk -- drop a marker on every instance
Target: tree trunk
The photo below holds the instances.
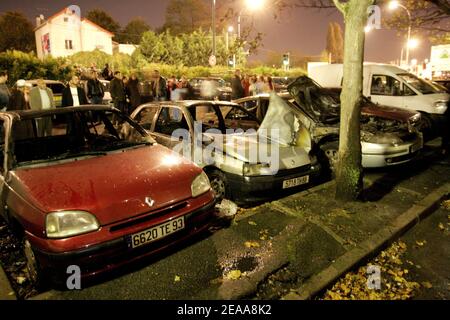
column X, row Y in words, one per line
column 349, row 174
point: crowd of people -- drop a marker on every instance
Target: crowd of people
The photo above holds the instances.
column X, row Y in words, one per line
column 250, row 85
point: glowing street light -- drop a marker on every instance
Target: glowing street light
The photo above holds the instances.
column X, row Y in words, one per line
column 413, row 43
column 367, row 29
column 393, row 5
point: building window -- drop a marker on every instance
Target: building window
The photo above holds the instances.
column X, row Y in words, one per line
column 66, row 19
column 69, row 45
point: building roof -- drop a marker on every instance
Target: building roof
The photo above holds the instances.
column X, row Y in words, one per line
column 82, row 20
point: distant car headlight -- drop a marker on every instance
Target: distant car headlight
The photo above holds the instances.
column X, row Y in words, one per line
column 65, row 224
column 256, row 169
column 200, row 185
column 441, row 106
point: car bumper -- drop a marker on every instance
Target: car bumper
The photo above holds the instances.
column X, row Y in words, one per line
column 105, row 256
column 379, row 155
column 247, row 190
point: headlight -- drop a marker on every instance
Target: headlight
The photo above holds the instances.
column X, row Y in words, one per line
column 200, row 185
column 256, row 169
column 69, row 223
column 441, row 106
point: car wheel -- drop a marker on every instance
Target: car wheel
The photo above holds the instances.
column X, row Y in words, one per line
column 331, row 152
column 33, row 269
column 219, row 185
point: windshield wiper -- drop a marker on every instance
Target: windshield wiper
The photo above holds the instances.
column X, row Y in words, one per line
column 125, row 145
column 67, row 155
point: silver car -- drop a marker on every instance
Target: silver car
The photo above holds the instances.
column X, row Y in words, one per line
column 231, row 141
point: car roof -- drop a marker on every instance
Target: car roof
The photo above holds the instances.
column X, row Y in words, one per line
column 190, row 103
column 45, row 81
column 30, row 114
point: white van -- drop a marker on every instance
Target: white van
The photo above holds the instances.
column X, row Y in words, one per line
column 389, row 85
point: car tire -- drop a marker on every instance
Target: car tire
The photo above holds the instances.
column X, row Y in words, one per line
column 35, row 273
column 219, row 184
column 330, row 152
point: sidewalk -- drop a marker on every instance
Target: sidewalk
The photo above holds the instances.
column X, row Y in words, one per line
column 288, row 249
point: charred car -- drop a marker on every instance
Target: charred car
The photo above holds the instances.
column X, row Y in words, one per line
column 245, row 159
column 82, row 194
column 389, row 136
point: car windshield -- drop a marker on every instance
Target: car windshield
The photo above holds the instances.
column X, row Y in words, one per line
column 420, row 85
column 81, row 133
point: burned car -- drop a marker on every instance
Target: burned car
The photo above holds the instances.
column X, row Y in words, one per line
column 82, row 194
column 246, row 160
column 389, row 136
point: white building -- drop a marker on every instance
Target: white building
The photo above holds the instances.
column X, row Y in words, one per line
column 66, row 33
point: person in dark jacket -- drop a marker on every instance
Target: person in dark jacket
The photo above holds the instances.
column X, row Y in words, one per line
column 19, row 101
column 73, row 95
column 133, row 92
column 159, row 87
column 107, row 73
column 118, row 94
column 4, row 91
column 95, row 89
column 236, row 86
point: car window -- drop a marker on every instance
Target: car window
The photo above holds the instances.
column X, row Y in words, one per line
column 207, row 115
column 383, row 85
column 41, row 139
column 57, row 88
column 236, row 118
column 420, row 85
column 169, row 120
column 146, row 116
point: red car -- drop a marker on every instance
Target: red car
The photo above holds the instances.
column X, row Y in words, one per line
column 81, row 193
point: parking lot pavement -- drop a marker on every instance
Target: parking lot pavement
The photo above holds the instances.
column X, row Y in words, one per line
column 271, row 250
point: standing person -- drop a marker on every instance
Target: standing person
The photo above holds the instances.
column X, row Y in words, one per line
column 159, row 87
column 252, row 87
column 187, row 92
column 41, row 98
column 236, row 86
column 246, row 85
column 134, row 92
column 73, row 95
column 107, row 73
column 118, row 93
column 95, row 89
column 4, row 91
column 269, row 84
column 18, row 100
column 260, row 85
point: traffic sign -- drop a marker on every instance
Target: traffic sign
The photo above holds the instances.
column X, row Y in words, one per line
column 212, row 60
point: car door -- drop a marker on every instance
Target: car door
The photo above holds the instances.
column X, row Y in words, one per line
column 172, row 126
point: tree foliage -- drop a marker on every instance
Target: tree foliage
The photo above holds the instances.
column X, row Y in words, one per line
column 188, row 49
column 16, row 32
column 133, row 31
column 104, row 20
column 186, row 16
column 431, row 17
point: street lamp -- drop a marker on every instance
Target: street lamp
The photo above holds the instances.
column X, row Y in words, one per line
column 252, row 5
column 393, row 5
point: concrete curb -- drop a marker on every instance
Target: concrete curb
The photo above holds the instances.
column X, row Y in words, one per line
column 368, row 248
column 6, row 291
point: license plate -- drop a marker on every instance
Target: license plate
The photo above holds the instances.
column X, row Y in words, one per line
column 295, row 182
column 156, row 233
column 415, row 148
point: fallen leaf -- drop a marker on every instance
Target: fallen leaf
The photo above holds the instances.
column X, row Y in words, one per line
column 427, row 285
column 177, row 278
column 441, row 226
column 21, row 280
column 421, row 243
column 234, row 275
column 251, row 244
column 252, row 223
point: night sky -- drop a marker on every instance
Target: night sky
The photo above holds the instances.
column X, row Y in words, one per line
column 302, row 30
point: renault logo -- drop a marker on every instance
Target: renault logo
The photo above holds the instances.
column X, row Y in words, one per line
column 149, row 201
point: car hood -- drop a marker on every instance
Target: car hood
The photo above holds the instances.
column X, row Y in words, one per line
column 391, row 113
column 254, row 148
column 112, row 187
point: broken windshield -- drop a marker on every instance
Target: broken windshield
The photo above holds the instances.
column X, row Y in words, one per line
column 85, row 133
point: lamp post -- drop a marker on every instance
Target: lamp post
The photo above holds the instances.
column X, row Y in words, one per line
column 250, row 5
column 392, row 6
